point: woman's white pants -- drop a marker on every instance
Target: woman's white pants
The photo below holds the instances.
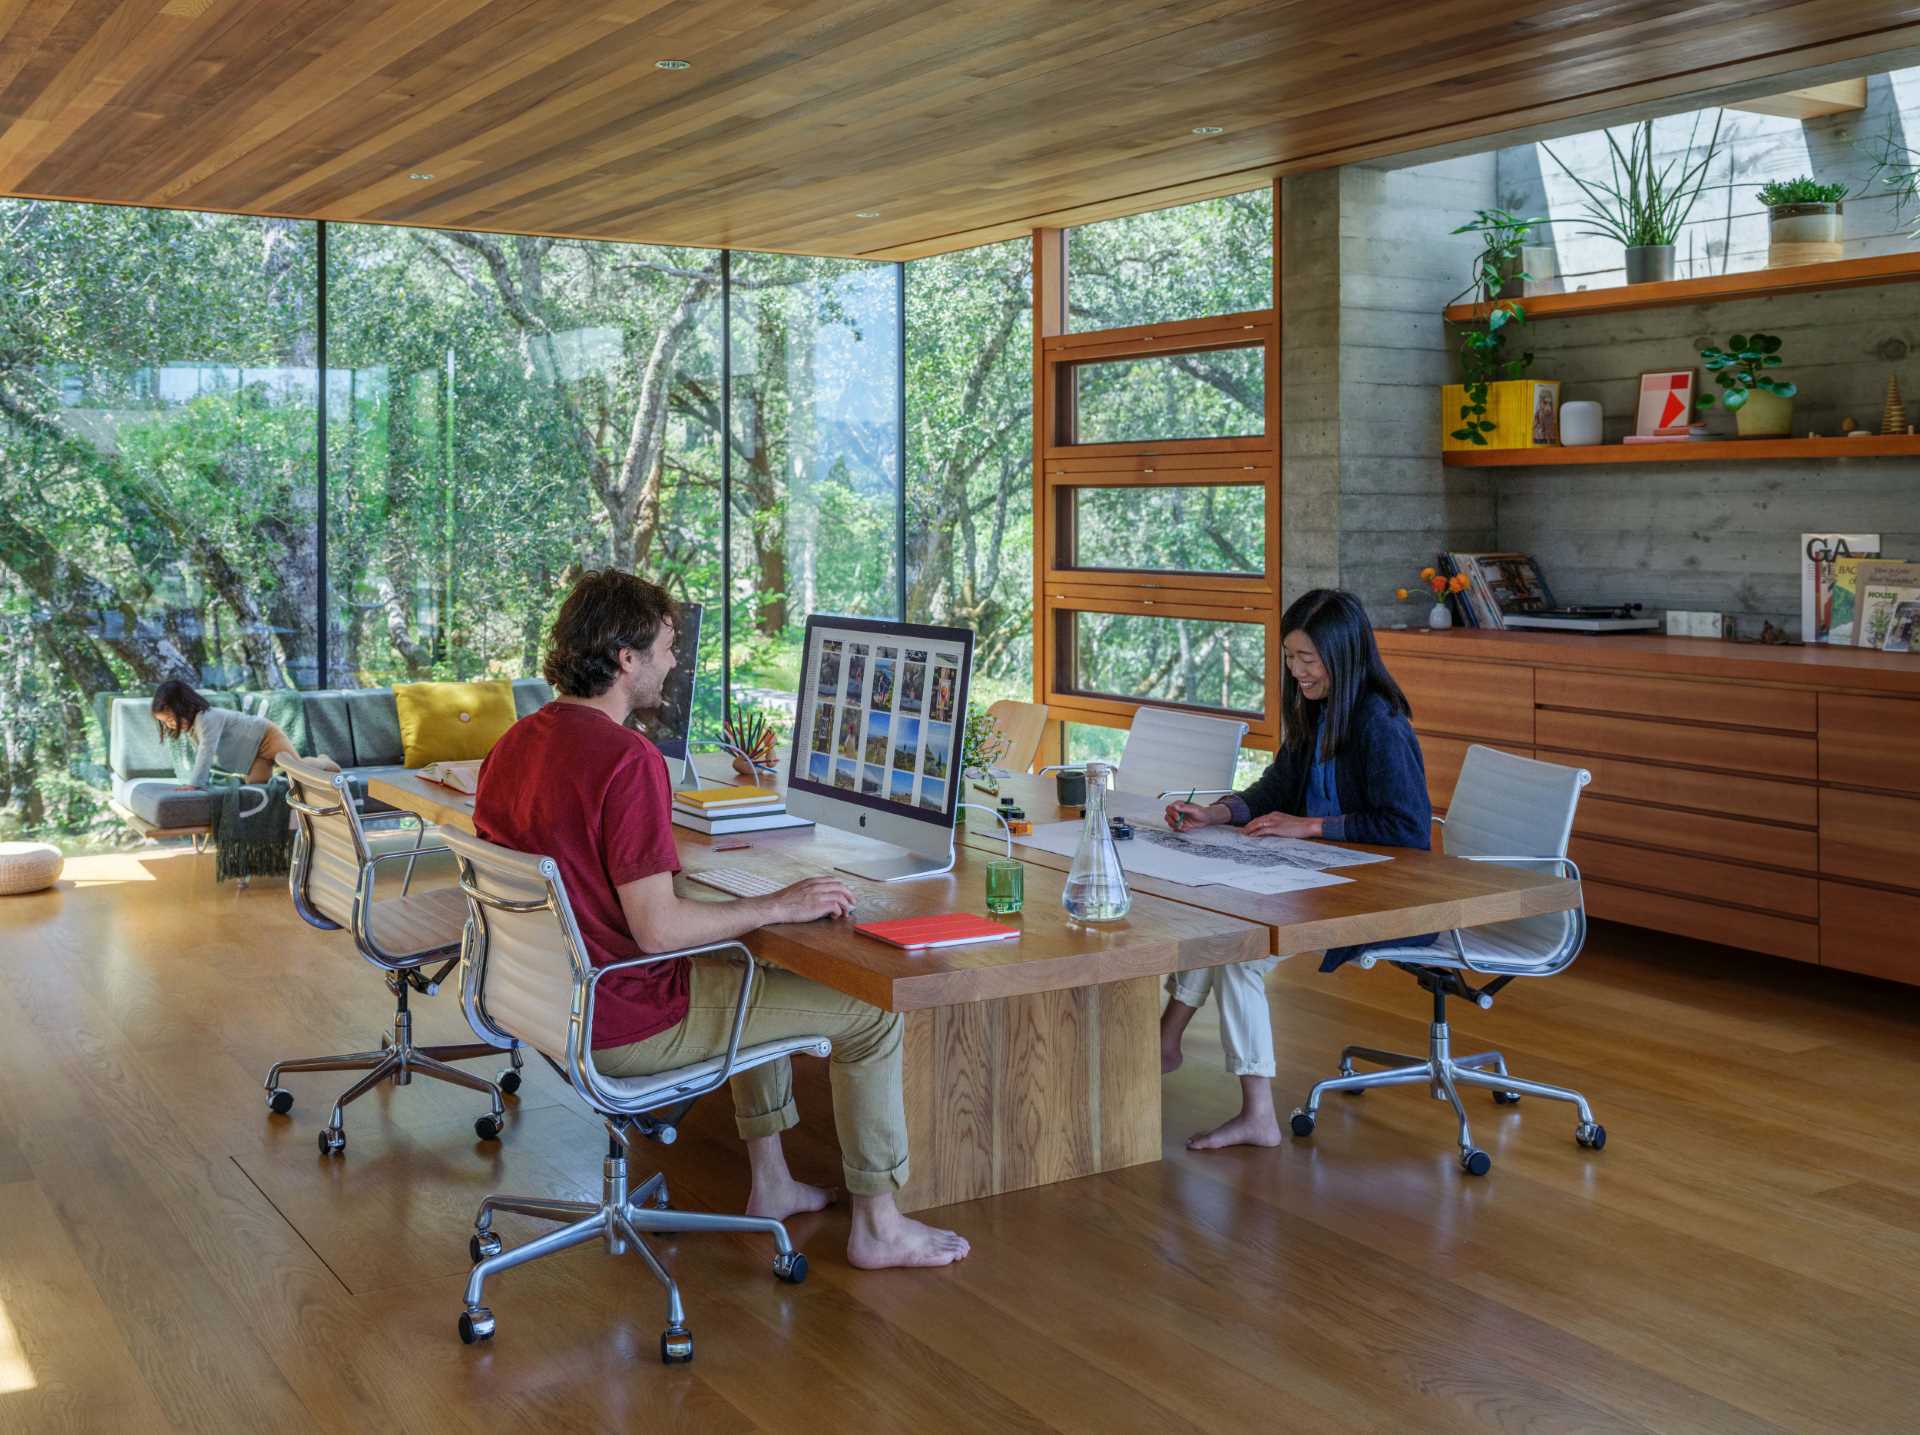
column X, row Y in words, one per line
column 1246, row 1025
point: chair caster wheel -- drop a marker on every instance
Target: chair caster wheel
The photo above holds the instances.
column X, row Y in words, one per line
column 509, row 1081
column 1302, row 1123
column 332, row 1141
column 482, row 1244
column 488, row 1128
column 1475, row 1163
column 791, row 1267
column 676, row 1346
column 1593, row 1136
column 476, row 1324
column 279, row 1101
column 1506, row 1098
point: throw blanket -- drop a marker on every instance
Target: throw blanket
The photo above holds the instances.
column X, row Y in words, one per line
column 257, row 845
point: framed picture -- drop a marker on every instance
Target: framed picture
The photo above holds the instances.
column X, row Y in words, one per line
column 1666, row 403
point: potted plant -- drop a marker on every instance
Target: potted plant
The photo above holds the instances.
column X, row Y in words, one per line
column 1762, row 407
column 1493, row 406
column 1434, row 581
column 1506, row 262
column 1804, row 221
column 1642, row 206
column 982, row 745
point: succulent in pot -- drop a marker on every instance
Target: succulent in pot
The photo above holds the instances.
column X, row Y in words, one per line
column 1762, row 405
column 1805, row 221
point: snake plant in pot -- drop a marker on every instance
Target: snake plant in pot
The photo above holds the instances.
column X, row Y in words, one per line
column 1644, row 205
column 1762, row 406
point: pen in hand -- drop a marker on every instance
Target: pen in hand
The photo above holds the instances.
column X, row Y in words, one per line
column 1180, row 818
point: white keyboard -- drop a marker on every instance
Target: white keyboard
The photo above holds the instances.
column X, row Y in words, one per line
column 737, row 880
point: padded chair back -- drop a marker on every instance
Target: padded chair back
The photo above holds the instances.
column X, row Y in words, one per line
column 524, row 953
column 330, row 849
column 1168, row 749
column 1507, row 806
column 1022, row 724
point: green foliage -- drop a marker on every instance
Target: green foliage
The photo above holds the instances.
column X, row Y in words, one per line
column 982, row 744
column 1502, row 237
column 1741, row 367
column 1804, row 190
column 1638, row 204
column 1896, row 169
column 1483, row 361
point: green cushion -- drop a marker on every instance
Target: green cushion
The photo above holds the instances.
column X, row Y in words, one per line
column 373, row 719
column 530, row 695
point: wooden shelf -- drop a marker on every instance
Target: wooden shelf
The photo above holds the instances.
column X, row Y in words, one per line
column 1714, row 289
column 1715, row 451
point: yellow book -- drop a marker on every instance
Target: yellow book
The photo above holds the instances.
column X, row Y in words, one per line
column 714, row 799
column 1525, row 413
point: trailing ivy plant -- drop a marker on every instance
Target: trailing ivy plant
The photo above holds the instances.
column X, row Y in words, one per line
column 1639, row 205
column 1741, row 367
column 1484, row 360
column 1502, row 236
column 1804, row 190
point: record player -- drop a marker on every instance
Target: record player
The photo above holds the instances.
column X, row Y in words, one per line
column 1600, row 618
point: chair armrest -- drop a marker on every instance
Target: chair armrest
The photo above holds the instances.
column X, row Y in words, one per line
column 725, row 1073
column 1061, row 767
column 1568, row 868
column 410, row 854
column 1194, row 792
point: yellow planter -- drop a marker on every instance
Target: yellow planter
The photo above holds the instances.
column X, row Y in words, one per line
column 1525, row 414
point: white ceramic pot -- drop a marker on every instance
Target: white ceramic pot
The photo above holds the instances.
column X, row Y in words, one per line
column 1579, row 423
column 1440, row 616
column 1804, row 234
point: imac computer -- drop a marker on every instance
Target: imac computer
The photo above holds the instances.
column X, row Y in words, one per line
column 669, row 723
column 877, row 739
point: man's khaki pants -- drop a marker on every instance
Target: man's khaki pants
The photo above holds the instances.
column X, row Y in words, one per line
column 868, row 1109
column 1246, row 1025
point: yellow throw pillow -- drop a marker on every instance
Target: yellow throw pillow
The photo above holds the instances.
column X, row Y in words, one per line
column 451, row 722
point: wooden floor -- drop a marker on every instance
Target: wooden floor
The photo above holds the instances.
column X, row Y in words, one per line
column 1745, row 1255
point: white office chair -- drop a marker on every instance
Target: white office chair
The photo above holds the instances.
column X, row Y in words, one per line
column 1518, row 813
column 335, row 868
column 1170, row 752
column 527, row 977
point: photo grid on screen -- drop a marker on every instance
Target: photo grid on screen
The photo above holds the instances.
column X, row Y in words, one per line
column 882, row 719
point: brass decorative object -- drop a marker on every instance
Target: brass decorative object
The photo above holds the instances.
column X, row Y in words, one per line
column 1893, row 414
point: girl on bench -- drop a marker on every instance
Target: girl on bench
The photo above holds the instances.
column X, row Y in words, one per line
column 231, row 741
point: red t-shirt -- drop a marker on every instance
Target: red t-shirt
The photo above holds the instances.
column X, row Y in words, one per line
column 570, row 783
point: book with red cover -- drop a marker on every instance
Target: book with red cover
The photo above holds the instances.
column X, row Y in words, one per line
column 948, row 929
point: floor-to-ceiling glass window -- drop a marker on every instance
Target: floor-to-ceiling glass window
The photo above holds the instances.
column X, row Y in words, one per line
column 157, row 478
column 815, row 460
column 505, row 412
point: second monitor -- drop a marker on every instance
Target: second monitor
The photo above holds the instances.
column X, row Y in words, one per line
column 878, row 733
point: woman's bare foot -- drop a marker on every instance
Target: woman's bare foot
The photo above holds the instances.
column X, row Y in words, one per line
column 777, row 1200
column 1243, row 1130
column 1173, row 1026
column 883, row 1239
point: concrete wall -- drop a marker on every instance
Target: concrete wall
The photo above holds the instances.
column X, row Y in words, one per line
column 1366, row 501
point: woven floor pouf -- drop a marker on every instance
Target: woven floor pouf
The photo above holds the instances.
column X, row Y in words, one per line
column 28, row 867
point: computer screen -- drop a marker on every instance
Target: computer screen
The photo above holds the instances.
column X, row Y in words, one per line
column 881, row 717
column 667, row 724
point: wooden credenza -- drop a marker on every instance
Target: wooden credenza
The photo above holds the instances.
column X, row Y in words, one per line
column 1765, row 798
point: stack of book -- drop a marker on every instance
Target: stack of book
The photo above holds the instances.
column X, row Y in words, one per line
column 717, row 811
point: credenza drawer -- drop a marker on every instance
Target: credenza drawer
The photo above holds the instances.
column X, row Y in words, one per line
column 1870, row 742
column 1700, row 835
column 1877, row 933
column 1444, row 757
column 1486, row 700
column 1871, row 837
column 1629, row 866
column 1758, row 797
column 1733, row 926
column 1736, row 703
column 1769, row 754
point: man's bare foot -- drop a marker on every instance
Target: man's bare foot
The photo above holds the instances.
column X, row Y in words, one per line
column 883, row 1239
column 1243, row 1130
column 777, row 1200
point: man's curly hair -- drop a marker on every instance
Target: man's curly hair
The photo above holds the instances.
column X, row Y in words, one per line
column 607, row 610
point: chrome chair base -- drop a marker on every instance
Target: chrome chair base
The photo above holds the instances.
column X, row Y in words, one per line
column 622, row 1219
column 1443, row 1075
column 398, row 1060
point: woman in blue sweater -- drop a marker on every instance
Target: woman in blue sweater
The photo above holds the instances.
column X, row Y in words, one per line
column 1348, row 770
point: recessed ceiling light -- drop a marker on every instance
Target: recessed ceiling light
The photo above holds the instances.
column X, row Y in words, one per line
column 421, row 174
column 1209, row 130
column 673, row 64
column 866, row 214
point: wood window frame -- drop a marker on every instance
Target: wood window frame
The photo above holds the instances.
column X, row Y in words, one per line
column 1060, row 589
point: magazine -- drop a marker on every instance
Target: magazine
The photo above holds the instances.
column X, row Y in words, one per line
column 1903, row 636
column 1883, row 587
column 1500, row 584
column 1826, row 607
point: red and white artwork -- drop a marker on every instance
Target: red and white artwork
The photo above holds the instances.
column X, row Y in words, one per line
column 1666, row 403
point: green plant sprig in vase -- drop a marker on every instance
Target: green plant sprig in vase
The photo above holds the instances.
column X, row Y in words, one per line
column 1761, row 404
column 1498, row 265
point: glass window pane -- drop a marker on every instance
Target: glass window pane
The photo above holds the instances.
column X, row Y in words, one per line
column 492, row 433
column 1217, row 394
column 1196, row 662
column 158, row 479
column 816, row 441
column 1214, row 257
column 970, row 457
column 1207, row 528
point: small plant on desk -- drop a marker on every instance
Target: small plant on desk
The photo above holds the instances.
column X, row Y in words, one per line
column 981, row 746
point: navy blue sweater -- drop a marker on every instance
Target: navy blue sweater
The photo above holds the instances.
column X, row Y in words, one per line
column 1381, row 781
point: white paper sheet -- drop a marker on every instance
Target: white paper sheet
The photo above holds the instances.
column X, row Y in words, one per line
column 1265, row 853
column 1275, row 882
column 1250, row 864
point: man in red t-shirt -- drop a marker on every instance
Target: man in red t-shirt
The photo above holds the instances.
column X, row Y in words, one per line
column 574, row 783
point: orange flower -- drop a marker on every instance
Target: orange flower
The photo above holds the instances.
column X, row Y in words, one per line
column 1401, row 594
column 1457, row 583
column 1439, row 585
column 1427, row 574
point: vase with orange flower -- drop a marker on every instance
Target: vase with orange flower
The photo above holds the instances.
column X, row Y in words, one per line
column 1433, row 581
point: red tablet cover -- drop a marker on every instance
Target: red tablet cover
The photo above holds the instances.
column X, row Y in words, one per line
column 949, row 929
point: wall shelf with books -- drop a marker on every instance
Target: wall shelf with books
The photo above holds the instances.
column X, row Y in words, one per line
column 1710, row 451
column 1713, row 289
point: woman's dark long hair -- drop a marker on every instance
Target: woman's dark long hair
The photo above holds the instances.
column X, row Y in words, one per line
column 1337, row 624
column 178, row 700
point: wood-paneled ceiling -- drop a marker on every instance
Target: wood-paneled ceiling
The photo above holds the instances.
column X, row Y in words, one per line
column 956, row 123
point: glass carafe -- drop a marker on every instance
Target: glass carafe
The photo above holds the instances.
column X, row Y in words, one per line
column 1096, row 888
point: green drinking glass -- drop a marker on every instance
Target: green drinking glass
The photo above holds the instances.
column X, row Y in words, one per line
column 1006, row 885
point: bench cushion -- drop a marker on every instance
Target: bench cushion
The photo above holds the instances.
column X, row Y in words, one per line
column 373, row 720
column 159, row 802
